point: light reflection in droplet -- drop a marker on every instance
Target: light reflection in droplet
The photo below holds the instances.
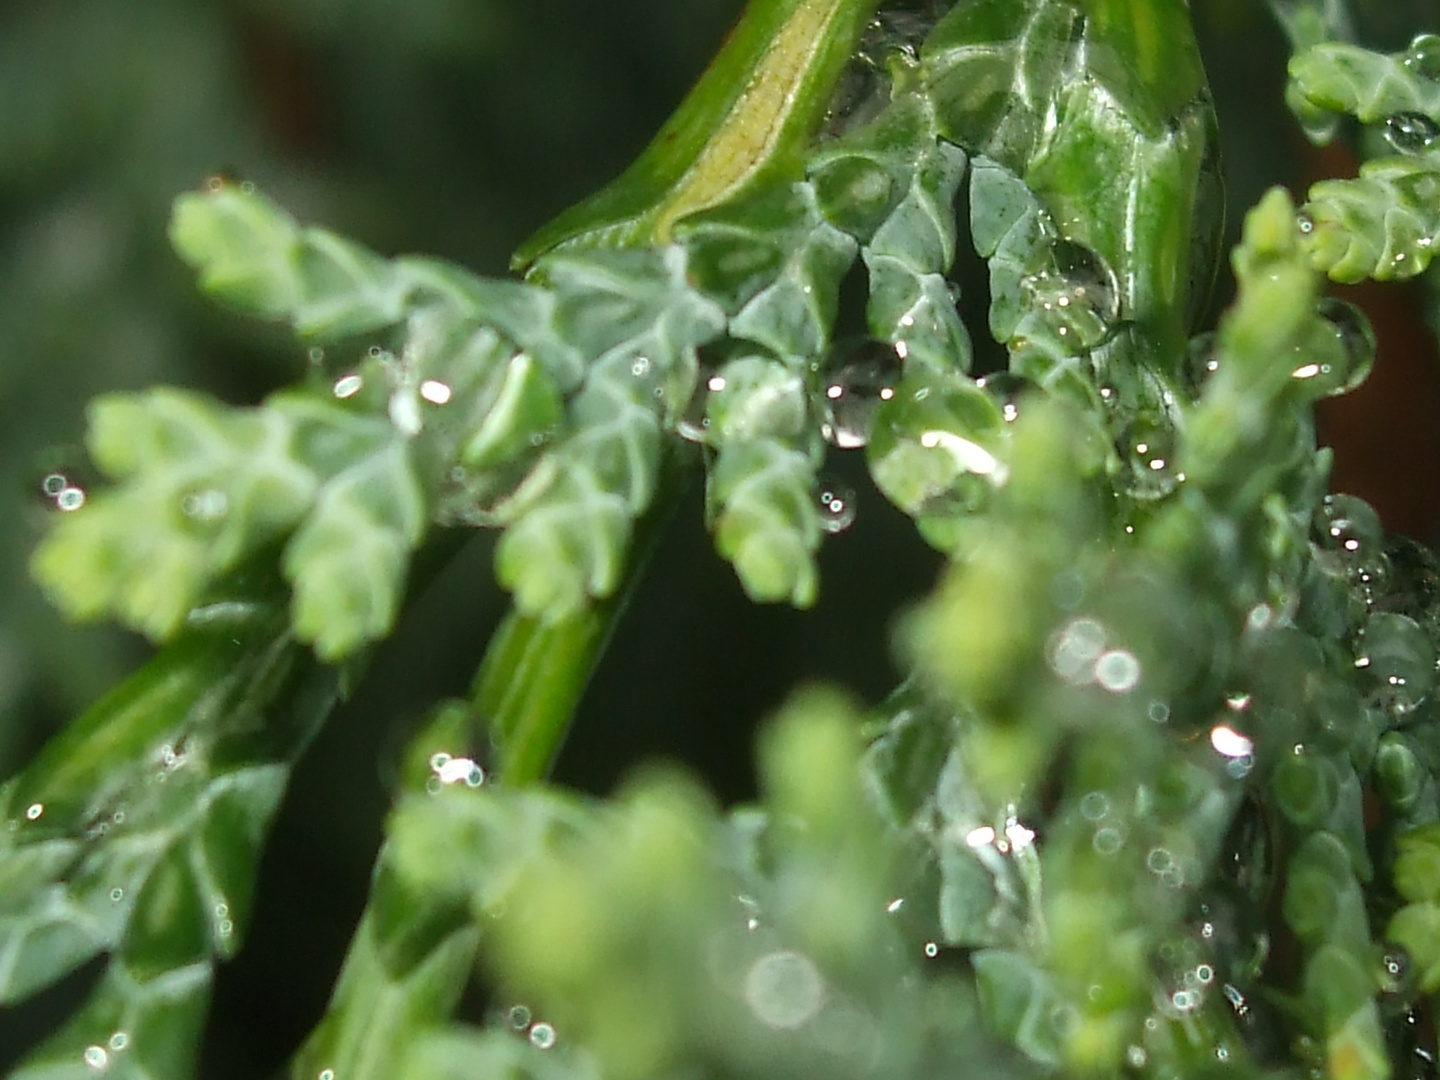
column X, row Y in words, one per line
column 1231, row 743
column 1117, row 671
column 968, row 455
column 348, row 386
column 34, row 810
column 96, row 1057
column 435, row 391
column 119, row 1041
column 980, row 837
column 542, row 1036
column 455, row 770
column 1076, row 649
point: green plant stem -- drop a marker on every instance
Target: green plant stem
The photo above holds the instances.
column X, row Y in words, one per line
column 533, row 673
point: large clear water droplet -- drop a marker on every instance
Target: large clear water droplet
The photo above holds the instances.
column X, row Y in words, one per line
column 1090, row 280
column 1349, row 544
column 1411, row 132
column 863, row 376
column 1356, row 341
column 542, row 1035
column 1423, row 57
column 1147, row 459
column 837, row 507
column 1397, row 660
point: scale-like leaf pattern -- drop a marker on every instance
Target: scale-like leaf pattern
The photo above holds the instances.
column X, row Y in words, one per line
column 138, row 833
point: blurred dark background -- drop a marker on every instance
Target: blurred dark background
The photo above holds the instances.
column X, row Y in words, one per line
column 454, row 127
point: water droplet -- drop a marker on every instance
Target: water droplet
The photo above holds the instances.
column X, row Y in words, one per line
column 542, row 1036
column 1201, row 362
column 862, row 376
column 1088, row 278
column 1229, row 742
column 116, row 895
column 1423, row 57
column 1397, row 660
column 1094, row 805
column 206, row 506
column 1338, row 364
column 435, row 391
column 1136, row 1056
column 837, row 507
column 1396, row 969
column 694, row 423
column 1147, row 459
column 1304, row 223
column 932, row 950
column 119, row 1041
column 456, row 770
column 640, row 367
column 96, row 1057
column 34, row 810
column 1108, row 841
column 784, row 989
column 1411, row 132
column 1117, row 671
column 347, row 386
column 1007, row 389
column 895, row 905
column 1076, row 648
column 70, row 499
column 326, row 1074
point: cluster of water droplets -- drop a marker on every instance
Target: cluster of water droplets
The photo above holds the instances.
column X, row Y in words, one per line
column 447, row 770
column 892, row 39
column 1077, row 294
column 1083, row 654
column 860, row 377
column 522, row 1021
column 63, row 490
column 100, row 1057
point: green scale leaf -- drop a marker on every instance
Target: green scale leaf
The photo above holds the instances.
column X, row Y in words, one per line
column 138, row 833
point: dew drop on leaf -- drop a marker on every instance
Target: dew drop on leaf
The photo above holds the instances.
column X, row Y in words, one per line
column 861, row 376
column 837, row 507
column 1356, row 339
column 1422, row 58
column 435, row 391
column 1088, row 279
column 1147, row 459
column 1411, row 132
column 206, row 506
column 119, row 1041
column 96, row 1057
column 1397, row 661
column 542, row 1036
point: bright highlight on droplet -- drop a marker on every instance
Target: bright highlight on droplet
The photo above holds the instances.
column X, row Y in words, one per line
column 1019, row 836
column 348, row 386
column 978, row 838
column 34, row 810
column 784, row 989
column 1230, row 742
column 542, row 1036
column 968, row 455
column 1117, row 671
column 435, row 391
column 96, row 1057
column 456, row 770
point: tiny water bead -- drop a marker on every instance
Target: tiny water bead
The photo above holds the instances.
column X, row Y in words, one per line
column 861, row 377
column 542, row 1036
column 1422, row 58
column 694, row 423
column 1089, row 278
column 837, row 507
column 1146, row 449
column 347, row 386
column 1397, row 661
column 436, row 392
column 1411, row 132
column 96, row 1057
